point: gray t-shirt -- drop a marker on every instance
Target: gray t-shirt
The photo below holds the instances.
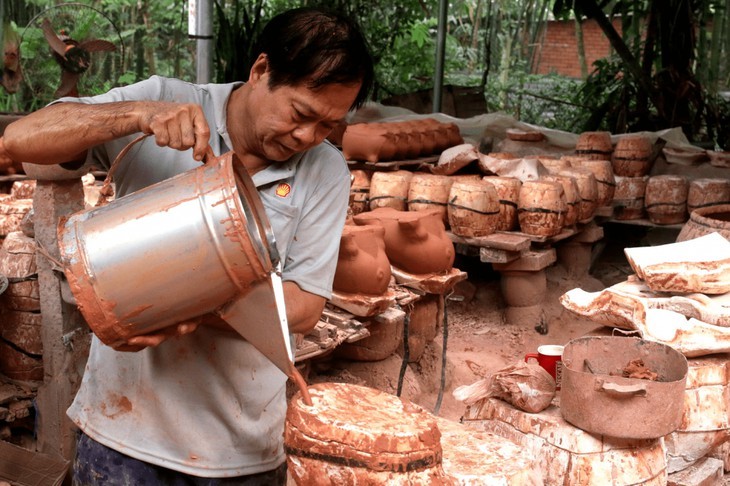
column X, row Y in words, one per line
column 208, row 403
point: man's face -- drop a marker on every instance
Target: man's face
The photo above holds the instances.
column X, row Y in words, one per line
column 291, row 119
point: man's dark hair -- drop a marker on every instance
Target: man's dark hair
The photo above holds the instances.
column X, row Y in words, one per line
column 316, row 47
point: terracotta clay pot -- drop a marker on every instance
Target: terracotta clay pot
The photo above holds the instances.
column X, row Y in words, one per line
column 632, row 156
column 359, row 190
column 454, row 135
column 628, row 200
column 440, row 134
column 705, row 192
column 508, row 191
column 362, row 265
column 588, row 190
column 572, row 196
column 415, row 241
column 366, row 142
column 429, row 134
column 390, row 189
column 429, row 192
column 703, row 221
column 605, row 180
column 473, row 208
column 541, row 208
column 666, row 199
column 594, row 145
column 409, row 140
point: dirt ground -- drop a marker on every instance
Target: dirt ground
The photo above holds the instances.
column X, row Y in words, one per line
column 480, row 341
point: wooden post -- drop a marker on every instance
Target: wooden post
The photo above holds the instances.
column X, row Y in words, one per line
column 65, row 334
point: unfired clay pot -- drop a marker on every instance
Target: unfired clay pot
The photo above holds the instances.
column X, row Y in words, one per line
column 572, row 197
column 605, row 180
column 429, row 192
column 508, row 191
column 666, row 199
column 362, row 265
column 541, row 208
column 628, row 200
column 594, row 145
column 632, row 156
column 390, row 189
column 353, row 434
column 359, row 190
column 473, row 208
column 705, row 192
column 554, row 166
column 415, row 241
column 588, row 190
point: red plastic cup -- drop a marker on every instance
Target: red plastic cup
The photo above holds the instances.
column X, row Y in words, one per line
column 550, row 358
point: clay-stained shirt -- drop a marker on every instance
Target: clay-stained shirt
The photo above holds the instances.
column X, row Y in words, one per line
column 208, row 403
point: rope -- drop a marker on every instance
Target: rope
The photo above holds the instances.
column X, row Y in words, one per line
column 406, row 353
column 445, row 332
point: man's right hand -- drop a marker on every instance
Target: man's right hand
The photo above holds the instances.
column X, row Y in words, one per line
column 177, row 125
column 63, row 132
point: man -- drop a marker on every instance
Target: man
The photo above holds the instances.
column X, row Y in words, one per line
column 206, row 404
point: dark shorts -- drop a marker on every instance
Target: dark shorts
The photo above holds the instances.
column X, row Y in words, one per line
column 96, row 464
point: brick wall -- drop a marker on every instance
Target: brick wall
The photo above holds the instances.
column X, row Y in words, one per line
column 559, row 49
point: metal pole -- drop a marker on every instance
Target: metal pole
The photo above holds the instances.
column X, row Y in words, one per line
column 438, row 77
column 200, row 28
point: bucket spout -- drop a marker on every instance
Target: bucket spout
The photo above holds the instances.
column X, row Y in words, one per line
column 259, row 316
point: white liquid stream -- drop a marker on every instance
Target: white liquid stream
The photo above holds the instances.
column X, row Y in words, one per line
column 278, row 288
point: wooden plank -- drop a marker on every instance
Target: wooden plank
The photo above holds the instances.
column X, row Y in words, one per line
column 531, row 261
column 65, row 335
column 363, row 305
column 491, row 255
column 431, row 283
column 508, row 241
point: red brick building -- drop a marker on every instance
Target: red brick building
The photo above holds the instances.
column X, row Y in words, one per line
column 558, row 51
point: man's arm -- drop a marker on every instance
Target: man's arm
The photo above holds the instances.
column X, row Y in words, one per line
column 63, row 132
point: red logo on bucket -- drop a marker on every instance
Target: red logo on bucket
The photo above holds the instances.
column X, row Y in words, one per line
column 283, row 189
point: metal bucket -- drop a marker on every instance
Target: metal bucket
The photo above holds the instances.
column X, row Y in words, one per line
column 597, row 398
column 168, row 253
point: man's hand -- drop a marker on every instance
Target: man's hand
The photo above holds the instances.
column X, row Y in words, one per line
column 6, row 163
column 177, row 125
column 138, row 343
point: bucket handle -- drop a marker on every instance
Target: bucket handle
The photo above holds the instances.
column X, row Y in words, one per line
column 621, row 391
column 106, row 189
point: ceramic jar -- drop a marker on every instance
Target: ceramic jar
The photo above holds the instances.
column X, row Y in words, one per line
column 541, row 208
column 362, row 266
column 703, row 221
column 473, row 208
column 632, row 156
column 390, row 189
column 415, row 241
column 508, row 191
column 666, row 199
